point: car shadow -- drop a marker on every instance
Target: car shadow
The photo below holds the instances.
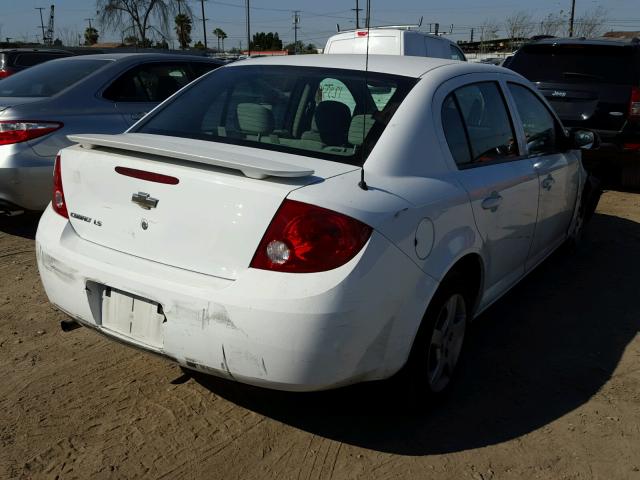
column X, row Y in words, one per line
column 540, row 352
column 24, row 225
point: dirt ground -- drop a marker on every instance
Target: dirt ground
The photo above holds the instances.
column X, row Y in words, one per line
column 550, row 389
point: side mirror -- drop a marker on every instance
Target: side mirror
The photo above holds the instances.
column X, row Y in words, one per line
column 584, row 139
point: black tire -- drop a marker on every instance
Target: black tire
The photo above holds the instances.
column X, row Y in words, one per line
column 588, row 204
column 425, row 374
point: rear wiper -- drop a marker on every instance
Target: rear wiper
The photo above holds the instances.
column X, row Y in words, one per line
column 583, row 75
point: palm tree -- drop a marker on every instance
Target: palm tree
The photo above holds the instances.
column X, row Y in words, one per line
column 223, row 35
column 183, row 30
column 220, row 35
column 139, row 14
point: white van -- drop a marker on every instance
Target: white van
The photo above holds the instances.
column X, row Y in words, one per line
column 394, row 41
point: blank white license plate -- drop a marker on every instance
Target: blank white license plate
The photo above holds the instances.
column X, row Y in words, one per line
column 133, row 316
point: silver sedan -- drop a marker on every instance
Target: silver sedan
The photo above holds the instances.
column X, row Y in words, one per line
column 104, row 93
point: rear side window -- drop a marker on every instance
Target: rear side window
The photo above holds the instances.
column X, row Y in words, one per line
column 31, row 59
column 200, row 68
column 539, row 125
column 153, row 82
column 456, row 54
column 49, row 78
column 577, row 64
column 485, row 121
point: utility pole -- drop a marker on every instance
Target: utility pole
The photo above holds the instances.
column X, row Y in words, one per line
column 248, row 29
column 573, row 12
column 357, row 10
column 204, row 25
column 41, row 21
column 471, row 41
column 296, row 21
column 89, row 20
column 368, row 24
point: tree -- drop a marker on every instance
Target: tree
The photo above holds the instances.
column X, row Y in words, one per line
column 57, row 42
column 199, row 45
column 91, row 36
column 113, row 14
column 220, row 35
column 551, row 24
column 488, row 31
column 266, row 41
column 519, row 25
column 301, row 48
column 590, row 23
column 68, row 36
column 183, row 30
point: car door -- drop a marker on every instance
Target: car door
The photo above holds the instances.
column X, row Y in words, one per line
column 501, row 183
column 141, row 88
column 558, row 171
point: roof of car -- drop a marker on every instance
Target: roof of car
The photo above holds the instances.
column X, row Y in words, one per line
column 34, row 50
column 408, row 66
column 589, row 41
column 138, row 56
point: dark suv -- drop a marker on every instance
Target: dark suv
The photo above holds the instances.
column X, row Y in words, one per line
column 15, row 59
column 594, row 84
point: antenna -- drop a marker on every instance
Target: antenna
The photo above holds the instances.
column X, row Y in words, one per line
column 362, row 184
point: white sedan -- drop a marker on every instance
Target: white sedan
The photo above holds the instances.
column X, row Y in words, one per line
column 308, row 222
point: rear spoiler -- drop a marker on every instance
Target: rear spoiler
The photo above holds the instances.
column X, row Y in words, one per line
column 198, row 151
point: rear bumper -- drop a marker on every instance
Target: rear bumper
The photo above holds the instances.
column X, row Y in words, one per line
column 283, row 331
column 25, row 178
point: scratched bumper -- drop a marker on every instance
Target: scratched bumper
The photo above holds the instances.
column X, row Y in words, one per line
column 283, row 331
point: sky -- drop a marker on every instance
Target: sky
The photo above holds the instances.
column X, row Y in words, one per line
column 20, row 20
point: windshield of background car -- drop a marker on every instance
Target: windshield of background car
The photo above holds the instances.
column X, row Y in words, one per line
column 49, row 78
column 577, row 64
column 325, row 113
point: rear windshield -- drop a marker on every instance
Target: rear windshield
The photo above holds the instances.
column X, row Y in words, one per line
column 577, row 64
column 319, row 112
column 49, row 78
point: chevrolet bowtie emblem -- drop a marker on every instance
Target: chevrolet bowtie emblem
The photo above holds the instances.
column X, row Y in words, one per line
column 144, row 200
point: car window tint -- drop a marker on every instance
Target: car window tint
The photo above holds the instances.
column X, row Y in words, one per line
column 48, row 78
column 31, row 59
column 487, row 122
column 153, row 82
column 538, row 124
column 331, row 89
column 577, row 63
column 200, row 68
column 454, row 131
column 318, row 112
column 456, row 54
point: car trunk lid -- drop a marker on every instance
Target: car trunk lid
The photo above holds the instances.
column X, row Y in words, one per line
column 8, row 102
column 210, row 221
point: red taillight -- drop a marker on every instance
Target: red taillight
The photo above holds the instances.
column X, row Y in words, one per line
column 16, row 131
column 58, row 202
column 362, row 33
column 5, row 72
column 634, row 103
column 148, row 176
column 303, row 238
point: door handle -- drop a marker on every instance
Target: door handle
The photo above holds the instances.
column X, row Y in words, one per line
column 492, row 202
column 548, row 182
column 137, row 116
